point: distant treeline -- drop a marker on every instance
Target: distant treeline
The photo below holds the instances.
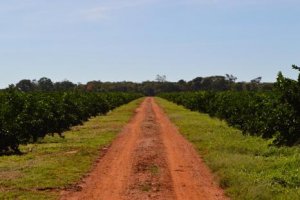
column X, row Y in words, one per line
column 149, row 88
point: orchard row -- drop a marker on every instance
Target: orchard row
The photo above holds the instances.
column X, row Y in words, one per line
column 27, row 117
column 273, row 114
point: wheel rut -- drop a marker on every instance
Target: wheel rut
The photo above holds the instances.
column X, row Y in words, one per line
column 150, row 176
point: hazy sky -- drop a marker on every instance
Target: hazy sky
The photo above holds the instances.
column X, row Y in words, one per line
column 116, row 40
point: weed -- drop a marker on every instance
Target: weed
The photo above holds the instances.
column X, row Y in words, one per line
column 154, row 169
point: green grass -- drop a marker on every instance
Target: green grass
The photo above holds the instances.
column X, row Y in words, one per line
column 246, row 167
column 56, row 163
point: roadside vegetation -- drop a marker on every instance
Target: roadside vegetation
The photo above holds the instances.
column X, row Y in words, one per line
column 246, row 167
column 55, row 163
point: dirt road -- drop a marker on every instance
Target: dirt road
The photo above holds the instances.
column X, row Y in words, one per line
column 149, row 160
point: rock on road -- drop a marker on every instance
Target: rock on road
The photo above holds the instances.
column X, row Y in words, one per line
column 149, row 160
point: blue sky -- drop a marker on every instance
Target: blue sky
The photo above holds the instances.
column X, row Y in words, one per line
column 116, row 40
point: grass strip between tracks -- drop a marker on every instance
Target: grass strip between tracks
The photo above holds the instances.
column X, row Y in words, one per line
column 56, row 163
column 246, row 167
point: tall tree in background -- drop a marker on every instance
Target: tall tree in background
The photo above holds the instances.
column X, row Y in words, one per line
column 161, row 78
column 26, row 85
column 231, row 78
column 45, row 84
column 64, row 85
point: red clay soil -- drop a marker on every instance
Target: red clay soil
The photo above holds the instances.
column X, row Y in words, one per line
column 149, row 160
